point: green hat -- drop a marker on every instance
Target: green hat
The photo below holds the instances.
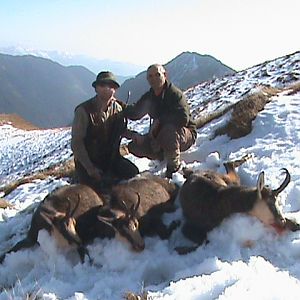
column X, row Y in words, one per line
column 105, row 77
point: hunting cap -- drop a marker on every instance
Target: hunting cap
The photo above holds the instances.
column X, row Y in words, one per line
column 105, row 77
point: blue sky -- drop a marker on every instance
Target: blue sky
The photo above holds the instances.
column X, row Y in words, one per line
column 240, row 33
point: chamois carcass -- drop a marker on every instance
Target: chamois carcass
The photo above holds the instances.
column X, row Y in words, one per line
column 208, row 197
column 75, row 214
column 156, row 196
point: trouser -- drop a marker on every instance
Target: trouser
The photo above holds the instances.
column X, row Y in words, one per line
column 167, row 145
column 120, row 168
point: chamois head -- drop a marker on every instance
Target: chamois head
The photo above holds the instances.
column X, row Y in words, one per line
column 266, row 207
column 125, row 223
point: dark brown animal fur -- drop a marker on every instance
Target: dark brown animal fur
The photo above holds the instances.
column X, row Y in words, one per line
column 54, row 208
column 89, row 219
column 156, row 195
column 207, row 198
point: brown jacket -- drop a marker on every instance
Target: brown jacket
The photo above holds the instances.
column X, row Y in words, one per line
column 95, row 133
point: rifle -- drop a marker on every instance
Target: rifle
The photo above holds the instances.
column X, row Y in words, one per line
column 121, row 125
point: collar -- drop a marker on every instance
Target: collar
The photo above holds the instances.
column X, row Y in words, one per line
column 99, row 104
column 163, row 91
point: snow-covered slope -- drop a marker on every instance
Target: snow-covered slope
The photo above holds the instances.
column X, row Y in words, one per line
column 223, row 269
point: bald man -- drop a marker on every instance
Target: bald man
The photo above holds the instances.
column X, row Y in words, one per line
column 172, row 129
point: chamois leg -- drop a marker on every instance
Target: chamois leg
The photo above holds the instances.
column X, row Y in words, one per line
column 165, row 231
column 82, row 251
column 230, row 167
column 194, row 234
column 155, row 226
column 31, row 239
column 25, row 243
column 182, row 250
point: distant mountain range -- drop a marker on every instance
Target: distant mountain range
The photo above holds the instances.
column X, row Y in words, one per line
column 41, row 91
column 122, row 70
column 185, row 70
column 45, row 93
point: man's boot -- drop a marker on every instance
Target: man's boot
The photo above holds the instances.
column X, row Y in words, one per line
column 173, row 162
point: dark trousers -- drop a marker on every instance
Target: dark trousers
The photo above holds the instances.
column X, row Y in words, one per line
column 120, row 168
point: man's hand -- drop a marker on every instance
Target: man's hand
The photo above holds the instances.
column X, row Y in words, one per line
column 95, row 173
column 134, row 136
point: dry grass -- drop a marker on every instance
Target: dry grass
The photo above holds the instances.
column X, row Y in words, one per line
column 244, row 112
column 62, row 170
column 34, row 295
column 133, row 296
column 203, row 120
column 16, row 121
column 4, row 203
column 293, row 89
column 269, row 90
column 67, row 169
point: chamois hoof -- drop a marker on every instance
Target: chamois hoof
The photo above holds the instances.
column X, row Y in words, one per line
column 182, row 250
column 2, row 257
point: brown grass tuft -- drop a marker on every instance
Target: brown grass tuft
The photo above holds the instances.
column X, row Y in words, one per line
column 16, row 121
column 66, row 169
column 4, row 203
column 133, row 296
column 61, row 170
column 293, row 89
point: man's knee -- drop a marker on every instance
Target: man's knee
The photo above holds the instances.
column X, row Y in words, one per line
column 168, row 138
column 144, row 150
column 168, row 129
column 124, row 168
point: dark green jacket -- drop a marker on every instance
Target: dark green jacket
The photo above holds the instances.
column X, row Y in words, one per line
column 169, row 108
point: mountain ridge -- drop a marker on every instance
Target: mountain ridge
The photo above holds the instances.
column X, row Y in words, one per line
column 185, row 70
column 36, row 88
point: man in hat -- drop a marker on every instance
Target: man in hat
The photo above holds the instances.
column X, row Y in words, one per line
column 96, row 133
column 172, row 130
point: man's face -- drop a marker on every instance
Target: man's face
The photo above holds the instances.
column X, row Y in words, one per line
column 156, row 77
column 106, row 90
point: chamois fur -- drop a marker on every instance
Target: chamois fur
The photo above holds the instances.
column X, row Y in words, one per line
column 156, row 196
column 55, row 207
column 89, row 219
column 207, row 198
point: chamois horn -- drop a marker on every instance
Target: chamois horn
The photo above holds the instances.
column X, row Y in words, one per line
column 284, row 183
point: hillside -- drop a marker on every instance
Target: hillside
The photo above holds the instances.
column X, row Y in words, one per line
column 16, row 121
column 41, row 91
column 243, row 260
column 185, row 70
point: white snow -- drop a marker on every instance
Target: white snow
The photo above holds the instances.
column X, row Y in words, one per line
column 243, row 260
